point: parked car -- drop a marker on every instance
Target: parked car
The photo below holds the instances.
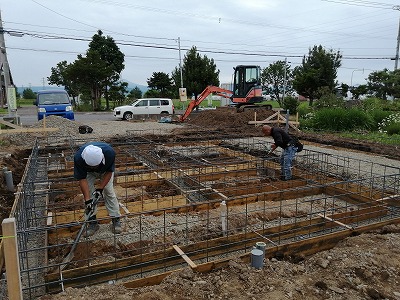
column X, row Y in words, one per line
column 54, row 103
column 146, row 106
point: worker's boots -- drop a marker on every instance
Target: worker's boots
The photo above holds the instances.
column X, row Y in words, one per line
column 116, row 225
column 91, row 227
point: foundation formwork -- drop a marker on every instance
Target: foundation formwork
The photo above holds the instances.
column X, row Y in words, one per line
column 190, row 202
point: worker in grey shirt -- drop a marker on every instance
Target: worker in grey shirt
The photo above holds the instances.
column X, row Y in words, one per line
column 96, row 160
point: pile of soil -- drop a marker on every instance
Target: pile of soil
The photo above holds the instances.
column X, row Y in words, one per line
column 227, row 119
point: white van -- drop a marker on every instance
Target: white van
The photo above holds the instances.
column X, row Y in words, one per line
column 146, row 106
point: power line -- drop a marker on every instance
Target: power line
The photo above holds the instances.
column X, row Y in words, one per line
column 363, row 3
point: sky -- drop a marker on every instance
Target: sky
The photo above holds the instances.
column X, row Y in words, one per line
column 155, row 35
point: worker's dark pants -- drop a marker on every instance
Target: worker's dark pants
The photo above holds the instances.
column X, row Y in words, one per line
column 287, row 157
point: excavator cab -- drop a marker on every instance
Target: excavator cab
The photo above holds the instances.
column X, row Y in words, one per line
column 247, row 87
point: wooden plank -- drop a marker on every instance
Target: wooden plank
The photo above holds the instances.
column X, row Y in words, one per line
column 27, row 130
column 14, row 284
column 49, row 218
column 9, row 124
column 337, row 222
column 185, row 257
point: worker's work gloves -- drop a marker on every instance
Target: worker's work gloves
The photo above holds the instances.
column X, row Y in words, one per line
column 91, row 203
column 97, row 194
column 89, row 207
column 270, row 148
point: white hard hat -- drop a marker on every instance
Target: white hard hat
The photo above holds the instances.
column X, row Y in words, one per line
column 93, row 155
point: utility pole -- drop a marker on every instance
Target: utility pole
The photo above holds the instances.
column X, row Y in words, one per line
column 396, row 59
column 180, row 60
column 397, row 48
column 284, row 81
column 7, row 90
column 182, row 90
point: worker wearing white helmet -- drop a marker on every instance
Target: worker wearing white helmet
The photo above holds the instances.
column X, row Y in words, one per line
column 93, row 161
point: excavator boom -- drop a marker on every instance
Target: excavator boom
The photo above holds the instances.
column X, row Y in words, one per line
column 207, row 91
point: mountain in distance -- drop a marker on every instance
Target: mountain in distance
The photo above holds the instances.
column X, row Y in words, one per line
column 35, row 89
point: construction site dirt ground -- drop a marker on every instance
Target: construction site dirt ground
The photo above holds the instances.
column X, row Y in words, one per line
column 360, row 267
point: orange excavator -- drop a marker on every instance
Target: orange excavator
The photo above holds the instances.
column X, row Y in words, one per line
column 247, row 91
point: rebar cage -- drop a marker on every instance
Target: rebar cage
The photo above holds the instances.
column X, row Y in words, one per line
column 211, row 199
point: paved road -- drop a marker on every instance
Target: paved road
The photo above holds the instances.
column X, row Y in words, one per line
column 28, row 115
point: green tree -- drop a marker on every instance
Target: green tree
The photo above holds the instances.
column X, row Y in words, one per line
column 113, row 58
column 28, row 94
column 160, row 82
column 135, row 93
column 318, row 69
column 274, row 77
column 344, row 88
column 94, row 73
column 89, row 73
column 358, row 91
column 395, row 83
column 380, row 83
column 197, row 73
column 60, row 77
column 117, row 93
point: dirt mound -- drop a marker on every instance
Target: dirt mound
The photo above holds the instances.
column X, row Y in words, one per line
column 229, row 120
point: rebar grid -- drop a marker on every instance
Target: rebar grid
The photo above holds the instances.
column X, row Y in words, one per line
column 171, row 193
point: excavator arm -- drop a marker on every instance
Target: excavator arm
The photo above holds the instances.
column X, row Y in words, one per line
column 207, row 91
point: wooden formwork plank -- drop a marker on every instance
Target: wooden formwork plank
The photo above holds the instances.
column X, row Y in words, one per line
column 348, row 195
column 151, row 175
column 233, row 173
column 136, row 177
column 156, row 204
column 68, row 172
column 133, row 207
column 277, row 190
column 234, row 153
column 26, row 130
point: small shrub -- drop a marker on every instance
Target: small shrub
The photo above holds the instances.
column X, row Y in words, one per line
column 389, row 122
column 290, row 103
column 340, row 119
column 393, row 129
column 329, row 101
column 378, row 116
column 303, row 109
column 373, row 103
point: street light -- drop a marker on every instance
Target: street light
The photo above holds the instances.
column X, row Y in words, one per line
column 351, row 80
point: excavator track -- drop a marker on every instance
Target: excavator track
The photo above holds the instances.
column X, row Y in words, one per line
column 242, row 108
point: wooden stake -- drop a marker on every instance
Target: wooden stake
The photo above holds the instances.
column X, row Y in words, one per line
column 14, row 285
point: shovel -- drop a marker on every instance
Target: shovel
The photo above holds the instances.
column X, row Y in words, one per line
column 88, row 213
